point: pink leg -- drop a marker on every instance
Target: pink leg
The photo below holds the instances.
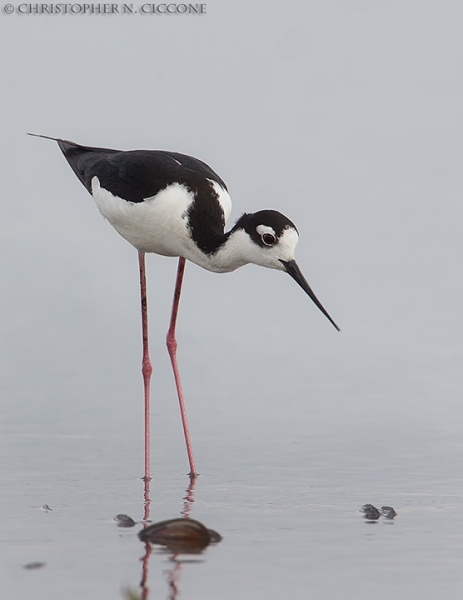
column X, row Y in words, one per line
column 172, row 349
column 146, row 369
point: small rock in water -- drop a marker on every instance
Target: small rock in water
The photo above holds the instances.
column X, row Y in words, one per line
column 34, row 565
column 215, row 536
column 180, row 535
column 371, row 513
column 124, row 520
column 388, row 512
column 46, row 507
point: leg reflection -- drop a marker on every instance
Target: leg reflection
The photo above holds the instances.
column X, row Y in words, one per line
column 171, row 545
column 188, row 499
column 148, row 549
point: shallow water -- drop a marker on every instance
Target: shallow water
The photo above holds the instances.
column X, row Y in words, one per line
column 284, row 487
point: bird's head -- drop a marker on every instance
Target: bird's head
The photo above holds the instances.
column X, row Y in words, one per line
column 269, row 239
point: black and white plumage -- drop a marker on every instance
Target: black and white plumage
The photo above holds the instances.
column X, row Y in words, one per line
column 176, row 205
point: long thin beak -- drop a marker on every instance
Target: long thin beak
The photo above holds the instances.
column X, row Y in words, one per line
column 295, row 272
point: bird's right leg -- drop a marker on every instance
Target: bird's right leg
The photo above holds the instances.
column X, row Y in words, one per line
column 172, row 349
column 146, row 369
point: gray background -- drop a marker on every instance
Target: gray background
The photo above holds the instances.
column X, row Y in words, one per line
column 345, row 116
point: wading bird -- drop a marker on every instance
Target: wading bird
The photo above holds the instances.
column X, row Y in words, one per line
column 176, row 205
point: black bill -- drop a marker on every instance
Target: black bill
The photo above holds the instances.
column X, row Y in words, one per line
column 293, row 270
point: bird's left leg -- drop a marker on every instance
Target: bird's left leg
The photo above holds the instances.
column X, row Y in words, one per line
column 172, row 349
column 146, row 368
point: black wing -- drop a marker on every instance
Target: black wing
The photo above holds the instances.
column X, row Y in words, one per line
column 135, row 175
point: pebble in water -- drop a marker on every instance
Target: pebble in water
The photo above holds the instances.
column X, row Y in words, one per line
column 371, row 513
column 180, row 535
column 34, row 565
column 124, row 520
column 388, row 512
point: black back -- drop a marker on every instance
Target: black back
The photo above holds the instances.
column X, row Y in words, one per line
column 135, row 175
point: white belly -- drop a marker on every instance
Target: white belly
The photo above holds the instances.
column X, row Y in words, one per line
column 155, row 225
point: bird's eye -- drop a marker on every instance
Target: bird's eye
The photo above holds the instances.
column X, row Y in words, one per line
column 268, row 239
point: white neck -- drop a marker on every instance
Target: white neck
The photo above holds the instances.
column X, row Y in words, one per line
column 239, row 250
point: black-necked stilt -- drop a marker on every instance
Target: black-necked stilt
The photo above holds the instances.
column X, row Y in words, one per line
column 175, row 205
